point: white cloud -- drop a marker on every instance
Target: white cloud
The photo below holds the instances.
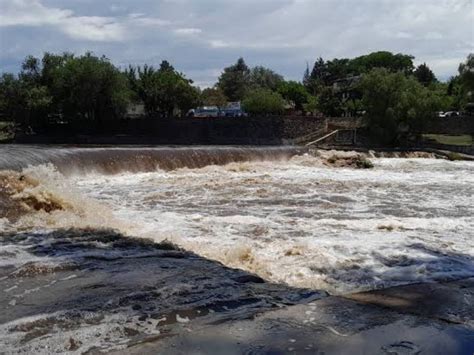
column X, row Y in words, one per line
column 187, row 31
column 33, row 13
column 282, row 34
column 94, row 28
column 217, row 43
column 29, row 13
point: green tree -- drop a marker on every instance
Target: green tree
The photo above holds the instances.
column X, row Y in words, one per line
column 91, row 87
column 329, row 103
column 396, row 105
column 213, row 97
column 12, row 97
column 307, row 77
column 312, row 105
column 320, row 71
column 144, row 84
column 165, row 66
column 454, row 92
column 383, row 59
column 338, row 69
column 352, row 107
column 263, row 101
column 164, row 90
column 424, row 75
column 24, row 98
column 261, row 77
column 30, row 70
column 317, row 78
column 295, row 93
column 22, row 101
column 187, row 96
column 466, row 79
column 325, row 73
column 235, row 81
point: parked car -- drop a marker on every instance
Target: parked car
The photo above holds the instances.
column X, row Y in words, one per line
column 451, row 114
column 230, row 112
column 448, row 114
column 202, row 112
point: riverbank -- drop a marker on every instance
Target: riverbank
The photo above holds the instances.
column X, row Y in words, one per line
column 415, row 319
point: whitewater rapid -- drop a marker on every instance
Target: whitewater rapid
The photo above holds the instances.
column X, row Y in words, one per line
column 291, row 220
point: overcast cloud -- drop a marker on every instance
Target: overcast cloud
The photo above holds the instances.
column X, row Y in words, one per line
column 200, row 37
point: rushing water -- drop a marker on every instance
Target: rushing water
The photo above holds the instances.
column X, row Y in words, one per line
column 278, row 213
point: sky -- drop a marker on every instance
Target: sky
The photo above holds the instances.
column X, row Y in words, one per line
column 201, row 37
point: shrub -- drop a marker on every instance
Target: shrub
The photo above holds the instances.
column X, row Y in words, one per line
column 263, row 101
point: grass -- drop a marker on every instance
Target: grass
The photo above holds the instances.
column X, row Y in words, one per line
column 463, row 140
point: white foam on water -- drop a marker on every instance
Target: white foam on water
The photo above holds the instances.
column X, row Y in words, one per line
column 304, row 224
column 71, row 333
column 296, row 222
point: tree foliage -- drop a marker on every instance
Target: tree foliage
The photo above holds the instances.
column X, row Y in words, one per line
column 213, row 97
column 397, row 97
column 329, row 103
column 261, row 77
column 466, row 78
column 327, row 72
column 235, row 80
column 382, row 59
column 263, row 101
column 86, row 86
column 424, row 75
column 295, row 93
column 396, row 105
column 90, row 87
column 162, row 90
column 23, row 98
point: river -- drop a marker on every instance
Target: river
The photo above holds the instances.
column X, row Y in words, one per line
column 283, row 214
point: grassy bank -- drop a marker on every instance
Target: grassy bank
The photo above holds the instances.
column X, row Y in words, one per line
column 462, row 140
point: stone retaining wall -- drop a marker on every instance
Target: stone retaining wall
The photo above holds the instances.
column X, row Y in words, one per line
column 245, row 131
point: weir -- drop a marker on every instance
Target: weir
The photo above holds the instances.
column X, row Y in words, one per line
column 108, row 160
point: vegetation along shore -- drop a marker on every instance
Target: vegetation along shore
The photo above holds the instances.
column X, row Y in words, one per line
column 396, row 99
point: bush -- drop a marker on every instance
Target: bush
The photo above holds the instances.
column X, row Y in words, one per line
column 263, row 101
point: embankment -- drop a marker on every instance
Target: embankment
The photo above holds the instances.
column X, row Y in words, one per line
column 272, row 130
column 267, row 130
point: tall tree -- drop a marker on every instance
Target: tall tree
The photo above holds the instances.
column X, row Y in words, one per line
column 166, row 66
column 163, row 90
column 91, row 87
column 307, row 77
column 466, row 74
column 319, row 73
column 383, row 59
column 12, row 97
column 235, row 80
column 213, row 97
column 264, row 78
column 295, row 93
column 424, row 75
column 329, row 103
column 396, row 105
